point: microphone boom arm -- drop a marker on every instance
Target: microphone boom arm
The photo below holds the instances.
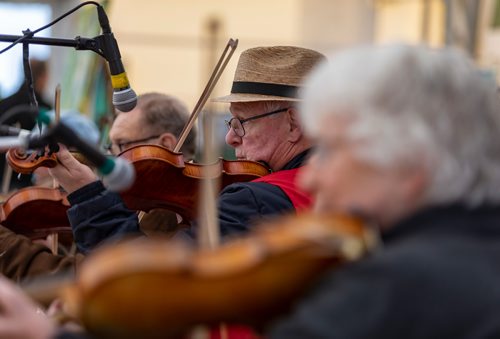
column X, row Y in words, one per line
column 78, row 43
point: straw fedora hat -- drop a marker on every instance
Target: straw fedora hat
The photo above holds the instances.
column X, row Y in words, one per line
column 271, row 73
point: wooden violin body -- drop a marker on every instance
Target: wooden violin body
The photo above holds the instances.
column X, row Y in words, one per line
column 164, row 180
column 37, row 212
column 174, row 287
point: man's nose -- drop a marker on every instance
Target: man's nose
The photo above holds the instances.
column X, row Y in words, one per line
column 232, row 139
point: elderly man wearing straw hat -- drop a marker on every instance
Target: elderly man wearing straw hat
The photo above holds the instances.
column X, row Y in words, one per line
column 264, row 128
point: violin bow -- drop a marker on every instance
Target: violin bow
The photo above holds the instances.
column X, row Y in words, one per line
column 212, row 81
column 53, row 238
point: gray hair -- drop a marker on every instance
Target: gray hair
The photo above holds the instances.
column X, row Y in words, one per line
column 414, row 106
column 165, row 113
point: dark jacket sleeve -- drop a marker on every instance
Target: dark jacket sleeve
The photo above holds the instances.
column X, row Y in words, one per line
column 20, row 258
column 242, row 205
column 98, row 215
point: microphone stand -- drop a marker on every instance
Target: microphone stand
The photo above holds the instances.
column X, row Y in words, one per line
column 95, row 44
column 78, row 43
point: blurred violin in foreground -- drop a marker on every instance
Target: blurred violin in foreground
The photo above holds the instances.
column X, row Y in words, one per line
column 166, row 288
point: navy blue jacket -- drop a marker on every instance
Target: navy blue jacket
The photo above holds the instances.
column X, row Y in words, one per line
column 437, row 276
column 97, row 214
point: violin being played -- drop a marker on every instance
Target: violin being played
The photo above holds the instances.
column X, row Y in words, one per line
column 22, row 213
column 246, row 281
column 177, row 181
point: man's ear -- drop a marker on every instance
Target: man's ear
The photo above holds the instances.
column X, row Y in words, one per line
column 295, row 127
column 167, row 140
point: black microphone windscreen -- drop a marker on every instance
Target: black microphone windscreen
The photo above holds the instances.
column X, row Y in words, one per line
column 125, row 100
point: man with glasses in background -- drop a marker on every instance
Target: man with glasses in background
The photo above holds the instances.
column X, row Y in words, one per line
column 157, row 119
column 264, row 128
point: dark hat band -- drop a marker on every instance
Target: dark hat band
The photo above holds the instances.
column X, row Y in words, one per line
column 247, row 87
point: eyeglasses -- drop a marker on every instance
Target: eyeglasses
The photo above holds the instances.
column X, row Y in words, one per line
column 122, row 146
column 237, row 124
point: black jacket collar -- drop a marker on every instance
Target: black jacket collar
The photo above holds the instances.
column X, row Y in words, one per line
column 455, row 218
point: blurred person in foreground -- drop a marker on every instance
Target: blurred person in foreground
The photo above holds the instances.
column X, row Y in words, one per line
column 410, row 138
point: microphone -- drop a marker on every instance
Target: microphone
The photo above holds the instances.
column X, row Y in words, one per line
column 13, row 137
column 12, row 131
column 19, row 141
column 124, row 97
column 117, row 173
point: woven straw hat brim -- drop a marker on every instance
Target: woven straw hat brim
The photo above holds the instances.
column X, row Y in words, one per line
column 271, row 74
column 242, row 97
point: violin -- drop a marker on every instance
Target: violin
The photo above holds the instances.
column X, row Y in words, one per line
column 37, row 212
column 175, row 287
column 176, row 183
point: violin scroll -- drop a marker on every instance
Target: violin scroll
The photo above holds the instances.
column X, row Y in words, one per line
column 25, row 163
